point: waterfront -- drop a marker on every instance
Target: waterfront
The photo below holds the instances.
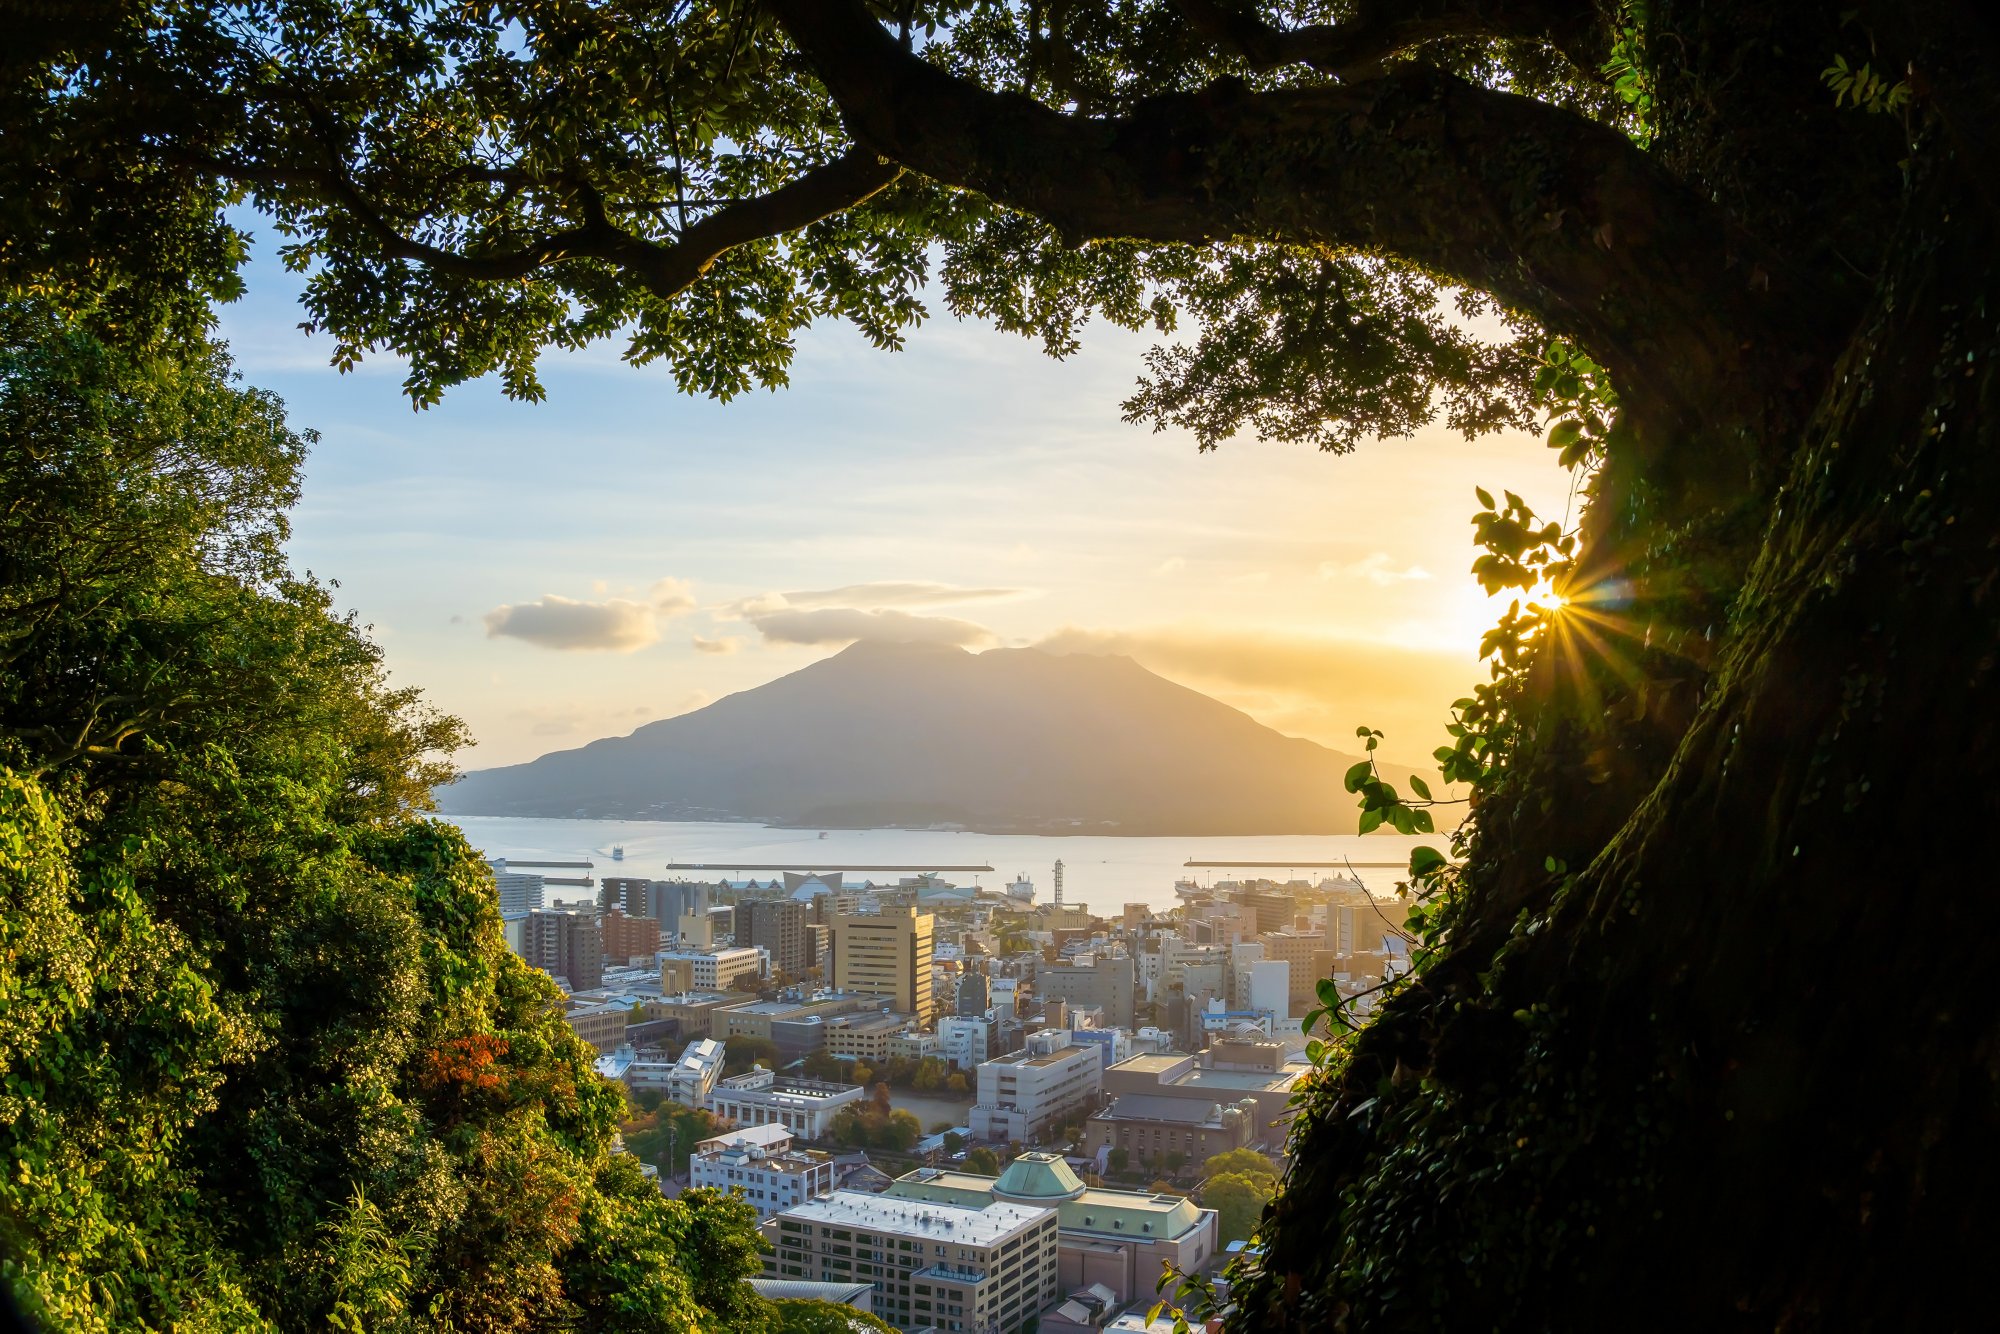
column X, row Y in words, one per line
column 1103, row 873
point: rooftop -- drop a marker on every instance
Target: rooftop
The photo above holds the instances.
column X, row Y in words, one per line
column 966, row 1226
column 1158, row 1064
column 1162, row 1107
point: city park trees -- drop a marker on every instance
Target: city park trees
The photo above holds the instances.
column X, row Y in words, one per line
column 1739, row 262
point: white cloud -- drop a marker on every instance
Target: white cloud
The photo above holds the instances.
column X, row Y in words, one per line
column 880, row 595
column 672, row 597
column 843, row 625
column 720, row 644
column 557, row 622
column 1379, row 569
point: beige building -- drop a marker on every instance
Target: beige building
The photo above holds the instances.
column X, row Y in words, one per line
column 1148, row 1127
column 710, row 970
column 1119, row 1238
column 864, row 1037
column 1229, row 1074
column 695, row 1011
column 888, row 954
column 602, row 1026
column 935, row 1265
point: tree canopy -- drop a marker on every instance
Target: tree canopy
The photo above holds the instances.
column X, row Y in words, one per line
column 1737, row 258
column 268, row 1063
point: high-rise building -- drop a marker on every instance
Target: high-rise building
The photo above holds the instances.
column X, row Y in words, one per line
column 629, row 939
column 1273, row 912
column 819, row 946
column 520, row 891
column 780, row 927
column 565, row 944
column 1106, row 980
column 695, row 926
column 888, row 954
column 626, row 893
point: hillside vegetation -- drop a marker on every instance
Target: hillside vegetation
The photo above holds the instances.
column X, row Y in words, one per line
column 265, row 1060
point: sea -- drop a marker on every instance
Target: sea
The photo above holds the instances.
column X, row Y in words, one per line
column 1103, row 873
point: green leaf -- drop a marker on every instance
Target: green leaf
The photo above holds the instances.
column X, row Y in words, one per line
column 1424, row 861
column 1485, row 496
column 1357, row 774
column 1421, row 788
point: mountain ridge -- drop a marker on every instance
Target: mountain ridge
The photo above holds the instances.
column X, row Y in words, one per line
column 1006, row 741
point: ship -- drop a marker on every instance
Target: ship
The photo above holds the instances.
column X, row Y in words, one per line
column 618, row 853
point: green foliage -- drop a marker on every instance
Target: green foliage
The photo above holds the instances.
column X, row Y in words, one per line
column 1863, row 87
column 869, row 1126
column 265, row 1060
column 740, row 1052
column 1238, row 1199
column 1245, row 1162
column 983, row 1161
column 953, row 1142
column 666, row 1135
column 1117, row 1160
column 799, row 1317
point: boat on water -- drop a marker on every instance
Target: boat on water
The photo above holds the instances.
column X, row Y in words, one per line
column 618, row 853
column 822, row 833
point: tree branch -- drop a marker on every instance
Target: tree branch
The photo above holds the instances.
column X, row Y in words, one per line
column 664, row 269
column 1558, row 216
column 1380, row 29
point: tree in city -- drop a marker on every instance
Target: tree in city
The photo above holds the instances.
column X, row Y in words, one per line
column 740, row 1052
column 982, row 1161
column 269, row 1064
column 1117, row 1161
column 955, row 1082
column 1246, row 1162
column 1238, row 1199
column 1173, row 1162
column 929, row 1076
column 954, row 1143
column 1735, row 259
column 666, row 1136
column 900, row 1131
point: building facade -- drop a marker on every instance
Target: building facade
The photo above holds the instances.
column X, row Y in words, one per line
column 888, row 954
column 629, row 939
column 1021, row 1096
column 964, row 1041
column 706, row 970
column 564, row 943
column 761, row 1162
column 803, row 1106
column 779, row 926
column 933, row 1265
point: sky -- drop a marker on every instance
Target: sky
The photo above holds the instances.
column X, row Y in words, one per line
column 562, row 571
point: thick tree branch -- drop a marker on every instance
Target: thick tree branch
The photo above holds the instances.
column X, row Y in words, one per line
column 1558, row 216
column 1379, row 29
column 665, row 269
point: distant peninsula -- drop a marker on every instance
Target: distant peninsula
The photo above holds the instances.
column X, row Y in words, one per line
column 886, row 735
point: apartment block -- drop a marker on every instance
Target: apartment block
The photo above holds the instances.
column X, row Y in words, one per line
column 934, row 1265
column 629, row 939
column 710, row 970
column 602, row 1026
column 1105, row 979
column 761, row 1162
column 888, row 954
column 519, row 891
column 779, row 926
column 864, row 1037
column 564, row 943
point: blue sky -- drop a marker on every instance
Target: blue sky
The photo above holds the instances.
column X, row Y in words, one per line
column 560, row 571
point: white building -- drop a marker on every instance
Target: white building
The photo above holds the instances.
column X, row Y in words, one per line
column 520, row 891
column 761, row 1162
column 934, row 1265
column 803, row 1106
column 1046, row 1082
column 963, row 1041
column 716, row 970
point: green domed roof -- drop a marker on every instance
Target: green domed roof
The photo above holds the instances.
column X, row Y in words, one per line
column 1038, row 1178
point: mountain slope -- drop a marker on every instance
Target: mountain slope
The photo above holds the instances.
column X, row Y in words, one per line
column 1007, row 740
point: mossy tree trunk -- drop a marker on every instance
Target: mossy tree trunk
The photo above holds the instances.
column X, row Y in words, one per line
column 1736, row 1065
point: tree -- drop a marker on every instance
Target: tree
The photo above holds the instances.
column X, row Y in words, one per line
column 1740, row 255
column 741, row 1051
column 982, row 1161
column 861, row 1074
column 929, row 1076
column 819, row 1065
column 1246, row 1162
column 1117, row 1160
column 1238, row 1199
column 954, row 1142
column 257, row 1006
column 956, row 1082
column 1173, row 1162
column 900, row 1131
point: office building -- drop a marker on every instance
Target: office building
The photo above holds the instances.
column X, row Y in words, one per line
column 761, row 1098
column 889, row 954
column 974, row 995
column 626, row 893
column 710, row 970
column 864, row 1037
column 1122, row 1239
column 1106, row 978
column 761, row 1162
column 601, row 1025
column 1149, row 1127
column 779, row 928
column 1047, row 1082
column 935, row 1265
column 964, row 1041
column 1228, row 1073
column 564, row 944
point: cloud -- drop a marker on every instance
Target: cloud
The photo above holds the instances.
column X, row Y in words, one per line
column 843, row 625
column 672, row 597
column 886, row 593
column 1379, row 569
column 562, row 623
column 1319, row 686
column 722, row 644
column 1171, row 565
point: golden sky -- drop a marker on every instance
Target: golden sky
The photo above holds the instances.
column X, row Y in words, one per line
column 567, row 570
